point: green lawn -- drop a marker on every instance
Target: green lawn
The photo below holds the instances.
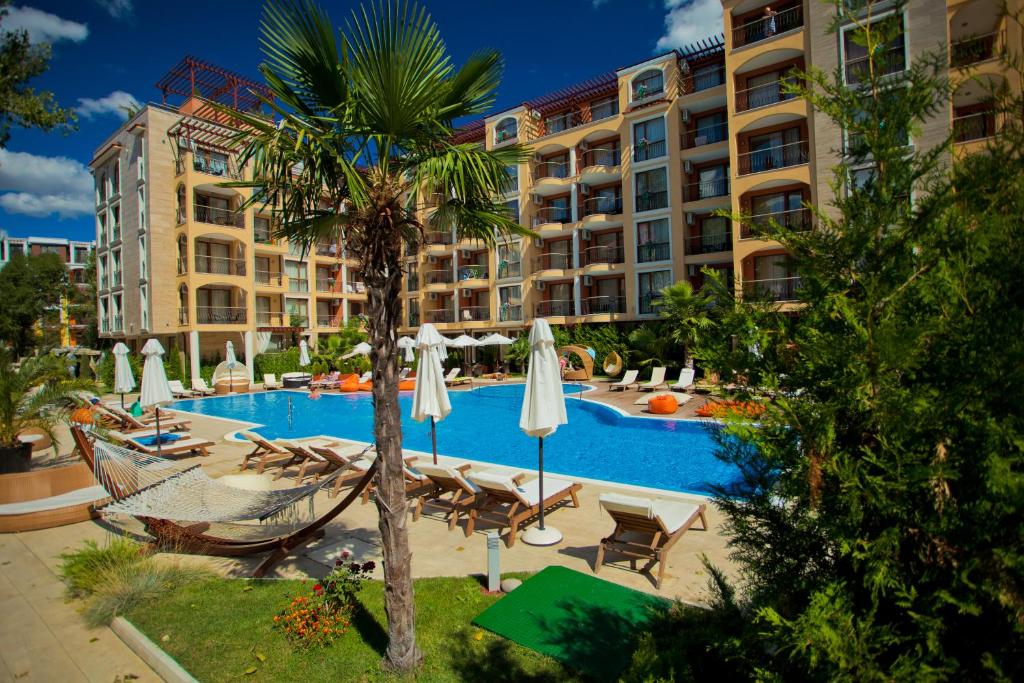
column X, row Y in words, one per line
column 220, row 629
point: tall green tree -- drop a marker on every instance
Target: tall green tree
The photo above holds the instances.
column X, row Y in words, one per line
column 686, row 313
column 365, row 119
column 31, row 286
column 20, row 104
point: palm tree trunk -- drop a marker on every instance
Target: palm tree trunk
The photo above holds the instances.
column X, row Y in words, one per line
column 382, row 274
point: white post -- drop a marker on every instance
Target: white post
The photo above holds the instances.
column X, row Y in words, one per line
column 250, row 352
column 193, row 353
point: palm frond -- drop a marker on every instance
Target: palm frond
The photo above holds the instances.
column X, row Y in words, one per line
column 473, row 88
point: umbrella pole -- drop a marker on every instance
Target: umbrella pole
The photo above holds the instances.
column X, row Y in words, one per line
column 540, row 480
column 122, row 401
column 433, row 438
column 158, row 431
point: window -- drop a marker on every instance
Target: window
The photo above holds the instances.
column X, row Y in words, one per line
column 297, row 309
column 181, row 204
column 715, row 235
column 297, row 273
column 17, row 249
column 81, row 254
column 412, row 276
column 771, row 276
column 51, row 249
column 414, row 313
column 889, row 56
column 513, row 179
column 117, row 322
column 773, row 150
column 115, row 179
column 142, row 257
column 708, row 76
column 785, row 208
column 648, row 84
column 101, row 188
column 513, row 209
column 140, row 162
column 556, row 123
column 510, row 303
column 104, row 309
column 261, row 229
column 712, row 181
column 710, row 128
column 649, row 139
column 210, row 162
column 263, row 311
column 507, row 129
column 142, row 208
column 101, row 271
column 554, row 166
column 604, row 108
column 764, row 90
column 115, row 268
column 555, row 210
column 509, row 261
column 115, row 223
column 652, row 189
column 144, row 307
column 652, row 241
column 650, row 286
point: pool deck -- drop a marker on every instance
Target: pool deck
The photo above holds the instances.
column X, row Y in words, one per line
column 436, row 551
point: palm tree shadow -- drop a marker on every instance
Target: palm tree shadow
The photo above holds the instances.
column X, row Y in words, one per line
column 370, row 630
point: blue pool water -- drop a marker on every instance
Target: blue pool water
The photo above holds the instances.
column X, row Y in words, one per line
column 598, row 442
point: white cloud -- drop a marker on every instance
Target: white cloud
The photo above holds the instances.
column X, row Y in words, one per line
column 688, row 21
column 41, row 186
column 43, row 27
column 114, row 103
column 119, row 9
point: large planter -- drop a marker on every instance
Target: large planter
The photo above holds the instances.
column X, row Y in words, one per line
column 48, row 497
column 17, row 459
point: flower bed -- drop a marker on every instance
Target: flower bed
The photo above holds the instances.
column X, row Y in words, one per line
column 723, row 409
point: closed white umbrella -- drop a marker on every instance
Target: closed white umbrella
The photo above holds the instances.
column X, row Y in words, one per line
column 407, row 343
column 124, row 380
column 464, row 341
column 229, row 358
column 430, row 397
column 303, row 353
column 495, row 339
column 543, row 410
column 155, row 389
column 360, row 349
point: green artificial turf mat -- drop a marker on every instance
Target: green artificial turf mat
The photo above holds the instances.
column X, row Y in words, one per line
column 580, row 620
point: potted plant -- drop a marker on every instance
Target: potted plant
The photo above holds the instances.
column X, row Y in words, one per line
column 33, row 395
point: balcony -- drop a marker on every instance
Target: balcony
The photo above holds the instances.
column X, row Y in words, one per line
column 354, row 287
column 325, row 286
column 553, row 214
column 217, row 216
column 440, row 238
column 414, row 320
column 439, row 277
column 412, row 281
column 220, row 315
column 115, row 278
column 889, row 61
column 440, row 316
column 976, row 126
column 772, row 158
column 763, row 95
column 708, row 244
column 551, row 169
column 775, row 289
column 329, row 320
column 555, row 307
column 183, row 315
column 593, row 206
column 557, row 123
column 601, row 156
column 653, row 251
column 596, row 305
column 219, row 265
column 706, row 189
column 706, row 135
column 473, row 272
column 271, row 319
column 220, row 168
column 646, row 305
column 268, row 278
column 508, row 313
column 298, row 284
column 603, row 254
column 651, row 201
column 797, row 220
column 116, row 323
column 475, row 313
column 552, row 261
column 704, row 78
column 510, row 269
column 768, row 27
column 330, row 250
column 977, row 49
column 644, row 150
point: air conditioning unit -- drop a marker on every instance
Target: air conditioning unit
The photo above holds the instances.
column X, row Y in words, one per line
column 538, row 242
column 585, row 235
column 587, row 281
column 689, row 218
column 691, row 269
column 432, row 296
column 687, row 166
column 583, row 188
column 467, row 293
column 686, row 115
column 539, row 285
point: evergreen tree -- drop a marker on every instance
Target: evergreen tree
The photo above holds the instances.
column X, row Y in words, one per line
column 31, row 286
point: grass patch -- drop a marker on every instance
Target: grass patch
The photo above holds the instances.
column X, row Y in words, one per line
column 221, row 629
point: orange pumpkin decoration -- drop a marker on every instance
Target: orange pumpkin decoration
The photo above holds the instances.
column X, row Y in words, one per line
column 663, row 405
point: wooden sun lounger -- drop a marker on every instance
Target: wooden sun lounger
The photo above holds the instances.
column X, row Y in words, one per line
column 646, row 529
column 268, row 452
column 305, row 457
column 189, row 445
column 352, row 463
column 522, row 500
column 127, row 422
column 447, row 481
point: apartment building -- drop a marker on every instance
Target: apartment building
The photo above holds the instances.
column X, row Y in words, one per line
column 75, row 256
column 179, row 258
column 628, row 170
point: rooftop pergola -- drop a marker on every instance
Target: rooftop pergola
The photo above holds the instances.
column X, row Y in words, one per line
column 192, row 77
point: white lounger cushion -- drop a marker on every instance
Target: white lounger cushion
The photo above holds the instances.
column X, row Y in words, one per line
column 529, row 492
column 76, row 497
column 446, row 472
column 628, row 378
column 671, row 514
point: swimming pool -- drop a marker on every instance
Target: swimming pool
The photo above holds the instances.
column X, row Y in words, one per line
column 598, row 443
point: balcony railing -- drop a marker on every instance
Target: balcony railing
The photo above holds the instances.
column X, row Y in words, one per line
column 268, row 278
column 762, row 95
column 604, row 254
column 976, row 126
column 771, row 158
column 888, row 61
column 116, row 323
column 182, row 315
column 560, row 122
column 653, row 251
column 355, row 287
column 651, row 201
column 330, row 320
column 552, row 169
column 708, row 244
column 440, row 238
column 439, row 277
column 602, row 204
column 474, row 313
column 220, row 315
column 705, row 78
column 601, row 156
column 977, row 49
column 218, row 216
column 510, row 313
column 648, row 149
column 221, row 168
column 555, row 307
column 298, row 284
column 553, row 261
column 440, row 316
column 262, row 235
column 115, row 278
column 596, row 305
column 646, row 304
column 553, row 214
column 332, row 250
column 776, row 289
column 509, row 269
column 325, row 285
column 797, row 220
column 414, row 320
column 270, row 319
column 219, row 265
column 768, row 26
column 706, row 135
column 706, row 189
column 473, row 272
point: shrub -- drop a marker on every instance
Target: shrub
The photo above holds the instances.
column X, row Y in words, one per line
column 277, row 363
column 80, row 570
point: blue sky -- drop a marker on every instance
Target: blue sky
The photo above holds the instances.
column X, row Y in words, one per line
column 108, row 52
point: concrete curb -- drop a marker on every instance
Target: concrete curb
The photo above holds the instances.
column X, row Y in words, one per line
column 149, row 652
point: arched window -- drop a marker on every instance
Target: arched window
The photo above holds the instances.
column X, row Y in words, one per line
column 181, row 204
column 183, row 305
column 648, row 84
column 101, row 188
column 507, row 129
column 182, row 255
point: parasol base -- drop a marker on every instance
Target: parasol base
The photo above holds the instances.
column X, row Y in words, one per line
column 549, row 535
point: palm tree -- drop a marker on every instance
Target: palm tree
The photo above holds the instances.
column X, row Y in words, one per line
column 686, row 313
column 365, row 121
